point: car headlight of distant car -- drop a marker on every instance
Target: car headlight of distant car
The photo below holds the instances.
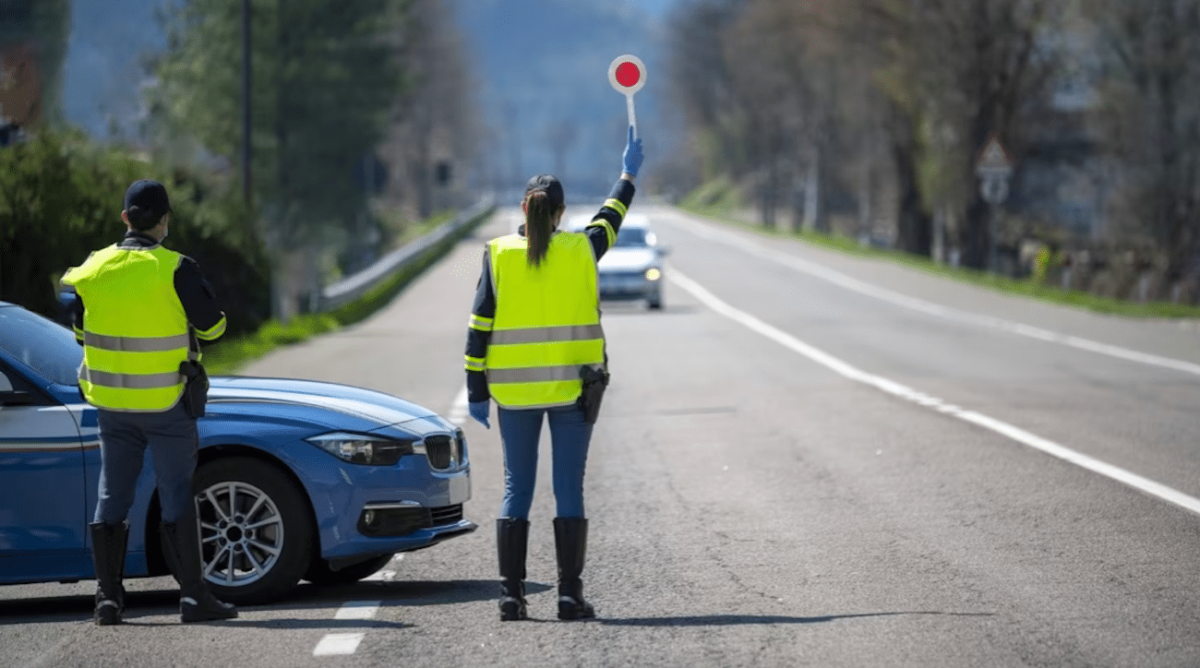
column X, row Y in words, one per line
column 362, row 448
column 653, row 274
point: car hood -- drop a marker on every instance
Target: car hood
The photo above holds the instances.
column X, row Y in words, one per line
column 328, row 404
column 628, row 259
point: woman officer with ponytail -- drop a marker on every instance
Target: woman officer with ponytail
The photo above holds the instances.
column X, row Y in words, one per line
column 534, row 328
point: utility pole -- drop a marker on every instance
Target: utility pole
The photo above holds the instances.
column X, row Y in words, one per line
column 246, row 197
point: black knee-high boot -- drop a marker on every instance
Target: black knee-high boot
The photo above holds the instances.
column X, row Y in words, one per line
column 512, row 539
column 196, row 602
column 108, row 556
column 570, row 542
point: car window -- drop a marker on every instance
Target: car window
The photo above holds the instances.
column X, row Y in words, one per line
column 40, row 344
column 631, row 237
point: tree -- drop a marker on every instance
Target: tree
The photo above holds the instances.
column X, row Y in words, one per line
column 1150, row 119
column 60, row 199
column 962, row 70
column 433, row 119
column 325, row 80
column 700, row 83
column 41, row 27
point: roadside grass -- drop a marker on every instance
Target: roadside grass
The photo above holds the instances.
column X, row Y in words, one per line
column 226, row 357
column 1024, row 287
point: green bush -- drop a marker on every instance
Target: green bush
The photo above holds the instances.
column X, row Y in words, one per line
column 61, row 198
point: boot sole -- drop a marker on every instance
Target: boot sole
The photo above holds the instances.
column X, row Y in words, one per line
column 513, row 611
column 570, row 611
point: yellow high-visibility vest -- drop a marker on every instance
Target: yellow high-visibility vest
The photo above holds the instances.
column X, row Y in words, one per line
column 135, row 329
column 547, row 322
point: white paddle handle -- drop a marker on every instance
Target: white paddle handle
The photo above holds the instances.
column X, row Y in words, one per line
column 632, row 116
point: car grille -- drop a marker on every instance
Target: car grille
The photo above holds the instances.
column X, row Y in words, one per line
column 444, row 452
column 403, row 521
column 446, row 515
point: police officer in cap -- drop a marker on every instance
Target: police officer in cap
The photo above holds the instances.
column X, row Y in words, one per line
column 140, row 314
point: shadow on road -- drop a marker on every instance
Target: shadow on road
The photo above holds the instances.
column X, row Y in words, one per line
column 58, row 609
column 738, row 620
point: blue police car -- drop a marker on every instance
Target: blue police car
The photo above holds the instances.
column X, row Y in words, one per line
column 296, row 479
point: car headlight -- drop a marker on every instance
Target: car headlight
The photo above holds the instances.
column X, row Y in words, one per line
column 653, row 274
column 363, row 449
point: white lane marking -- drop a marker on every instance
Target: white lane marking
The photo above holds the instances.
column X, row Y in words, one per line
column 458, row 408
column 347, row 643
column 358, row 610
column 338, row 643
column 896, row 389
column 837, row 278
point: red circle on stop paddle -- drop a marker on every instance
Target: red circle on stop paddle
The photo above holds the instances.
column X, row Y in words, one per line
column 628, row 74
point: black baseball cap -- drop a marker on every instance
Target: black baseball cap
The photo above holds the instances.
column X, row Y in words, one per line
column 146, row 203
column 548, row 184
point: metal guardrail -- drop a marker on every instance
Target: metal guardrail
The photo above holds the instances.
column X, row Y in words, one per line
column 336, row 295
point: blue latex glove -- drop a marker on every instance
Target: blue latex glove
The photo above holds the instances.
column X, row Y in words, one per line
column 633, row 154
column 479, row 410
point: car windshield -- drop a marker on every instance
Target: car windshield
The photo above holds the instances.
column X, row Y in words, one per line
column 40, row 344
column 631, row 237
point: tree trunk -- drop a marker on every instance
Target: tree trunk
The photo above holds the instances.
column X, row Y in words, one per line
column 914, row 226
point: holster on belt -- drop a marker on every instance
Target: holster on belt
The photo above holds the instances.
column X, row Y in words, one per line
column 594, row 382
column 195, row 390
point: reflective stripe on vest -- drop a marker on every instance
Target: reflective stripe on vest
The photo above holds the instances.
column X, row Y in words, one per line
column 135, row 329
column 547, row 322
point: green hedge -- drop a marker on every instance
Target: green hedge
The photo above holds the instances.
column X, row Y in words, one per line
column 61, row 198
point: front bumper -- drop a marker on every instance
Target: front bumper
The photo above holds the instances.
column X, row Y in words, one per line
column 424, row 505
column 628, row 285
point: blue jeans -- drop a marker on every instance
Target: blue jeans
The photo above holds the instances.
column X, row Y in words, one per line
column 173, row 442
column 569, row 438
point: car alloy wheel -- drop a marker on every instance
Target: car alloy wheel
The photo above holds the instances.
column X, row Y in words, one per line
column 256, row 529
column 241, row 533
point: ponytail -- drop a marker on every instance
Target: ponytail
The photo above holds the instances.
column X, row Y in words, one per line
column 539, row 225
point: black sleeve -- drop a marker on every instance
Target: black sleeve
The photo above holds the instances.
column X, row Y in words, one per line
column 78, row 311
column 479, row 333
column 609, row 218
column 199, row 301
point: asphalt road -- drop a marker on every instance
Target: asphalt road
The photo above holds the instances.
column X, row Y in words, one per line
column 805, row 459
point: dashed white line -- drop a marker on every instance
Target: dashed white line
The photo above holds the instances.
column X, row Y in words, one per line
column 338, row 643
column 837, row 278
column 347, row 643
column 896, row 389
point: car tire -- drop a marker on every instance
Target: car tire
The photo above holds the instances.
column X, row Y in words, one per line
column 321, row 575
column 270, row 548
column 655, row 303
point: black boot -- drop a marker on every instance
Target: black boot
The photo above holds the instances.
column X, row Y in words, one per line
column 108, row 556
column 570, row 543
column 196, row 602
column 512, row 539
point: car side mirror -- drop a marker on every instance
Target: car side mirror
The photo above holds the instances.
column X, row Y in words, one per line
column 18, row 398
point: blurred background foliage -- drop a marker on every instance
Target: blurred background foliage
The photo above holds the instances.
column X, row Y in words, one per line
column 60, row 199
column 857, row 119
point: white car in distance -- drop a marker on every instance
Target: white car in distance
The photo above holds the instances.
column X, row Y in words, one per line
column 633, row 268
